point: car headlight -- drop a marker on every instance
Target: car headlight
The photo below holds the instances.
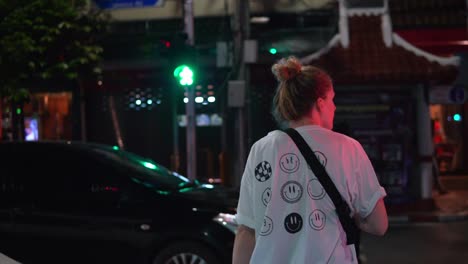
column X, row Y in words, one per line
column 227, row 220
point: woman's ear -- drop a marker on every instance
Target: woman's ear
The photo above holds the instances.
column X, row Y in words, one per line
column 319, row 104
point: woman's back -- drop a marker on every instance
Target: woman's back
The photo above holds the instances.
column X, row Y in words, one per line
column 290, row 206
column 284, row 214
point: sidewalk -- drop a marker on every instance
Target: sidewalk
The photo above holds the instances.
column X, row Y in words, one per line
column 443, row 207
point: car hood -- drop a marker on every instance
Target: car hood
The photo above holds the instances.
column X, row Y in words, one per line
column 212, row 196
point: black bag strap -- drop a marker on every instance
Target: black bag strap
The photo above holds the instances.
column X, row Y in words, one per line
column 342, row 207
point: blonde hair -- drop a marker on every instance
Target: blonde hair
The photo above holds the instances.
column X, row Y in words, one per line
column 298, row 89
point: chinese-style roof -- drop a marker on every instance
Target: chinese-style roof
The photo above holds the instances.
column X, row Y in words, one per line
column 366, row 50
column 424, row 14
column 436, row 26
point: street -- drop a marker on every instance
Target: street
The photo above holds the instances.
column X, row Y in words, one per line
column 418, row 243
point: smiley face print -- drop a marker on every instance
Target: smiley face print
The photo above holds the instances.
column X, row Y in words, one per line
column 263, row 171
column 266, row 196
column 293, row 223
column 291, row 191
column 289, row 163
column 317, row 220
column 267, row 226
column 321, row 157
column 315, row 189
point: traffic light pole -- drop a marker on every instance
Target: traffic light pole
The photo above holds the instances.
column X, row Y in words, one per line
column 191, row 134
column 175, row 159
column 242, row 32
column 188, row 22
column 190, row 106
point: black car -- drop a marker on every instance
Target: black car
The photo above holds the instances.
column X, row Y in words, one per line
column 72, row 202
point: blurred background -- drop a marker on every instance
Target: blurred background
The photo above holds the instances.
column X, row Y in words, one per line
column 103, row 71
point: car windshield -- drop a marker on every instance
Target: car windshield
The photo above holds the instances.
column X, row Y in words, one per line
column 151, row 173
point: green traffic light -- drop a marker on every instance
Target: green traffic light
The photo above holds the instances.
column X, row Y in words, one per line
column 184, row 74
column 273, row 51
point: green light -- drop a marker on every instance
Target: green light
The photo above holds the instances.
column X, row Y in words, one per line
column 185, row 189
column 18, row 111
column 163, row 192
column 456, row 117
column 115, row 148
column 273, row 51
column 149, row 165
column 184, row 74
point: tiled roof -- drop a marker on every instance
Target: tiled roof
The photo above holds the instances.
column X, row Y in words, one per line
column 368, row 60
column 428, row 13
column 436, row 26
column 443, row 42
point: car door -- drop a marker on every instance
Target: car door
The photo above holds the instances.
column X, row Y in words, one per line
column 88, row 208
column 34, row 230
column 5, row 193
column 73, row 215
column 97, row 196
column 13, row 196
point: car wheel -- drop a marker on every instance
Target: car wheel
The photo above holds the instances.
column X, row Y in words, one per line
column 186, row 253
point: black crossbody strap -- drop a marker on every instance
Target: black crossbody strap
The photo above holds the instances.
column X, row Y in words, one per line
column 342, row 207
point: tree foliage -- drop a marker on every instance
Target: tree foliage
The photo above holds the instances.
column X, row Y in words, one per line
column 46, row 41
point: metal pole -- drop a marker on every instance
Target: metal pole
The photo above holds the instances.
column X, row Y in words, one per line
column 246, row 29
column 175, row 132
column 190, row 106
column 242, row 31
column 188, row 22
column 115, row 122
column 1, row 118
column 425, row 145
column 191, row 147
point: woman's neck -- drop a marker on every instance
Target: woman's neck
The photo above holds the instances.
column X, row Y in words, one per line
column 305, row 121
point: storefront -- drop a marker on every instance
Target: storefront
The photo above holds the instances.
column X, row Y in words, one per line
column 47, row 116
column 384, row 82
column 449, row 137
column 382, row 119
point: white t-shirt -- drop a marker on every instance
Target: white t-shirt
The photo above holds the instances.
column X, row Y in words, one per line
column 282, row 200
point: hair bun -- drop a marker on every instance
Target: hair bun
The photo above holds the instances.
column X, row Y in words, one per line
column 287, row 69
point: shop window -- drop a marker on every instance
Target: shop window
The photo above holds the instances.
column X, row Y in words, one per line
column 447, row 136
column 48, row 117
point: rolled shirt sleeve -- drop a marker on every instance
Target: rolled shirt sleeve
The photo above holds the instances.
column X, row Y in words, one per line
column 367, row 189
column 245, row 211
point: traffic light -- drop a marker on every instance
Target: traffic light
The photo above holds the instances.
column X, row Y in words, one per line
column 184, row 74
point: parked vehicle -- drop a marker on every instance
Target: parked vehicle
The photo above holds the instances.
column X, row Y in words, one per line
column 70, row 202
